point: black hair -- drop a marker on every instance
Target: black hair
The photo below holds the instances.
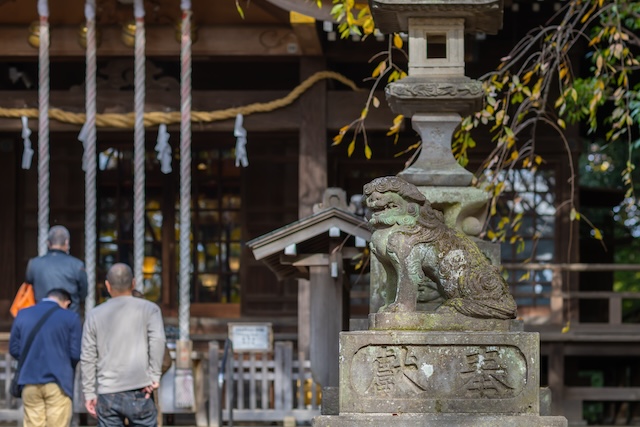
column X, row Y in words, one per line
column 59, row 294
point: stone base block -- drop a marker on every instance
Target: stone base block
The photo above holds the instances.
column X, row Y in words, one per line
column 411, row 372
column 449, row 321
column 437, row 420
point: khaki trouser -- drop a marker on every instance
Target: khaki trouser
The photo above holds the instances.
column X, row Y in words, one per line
column 46, row 405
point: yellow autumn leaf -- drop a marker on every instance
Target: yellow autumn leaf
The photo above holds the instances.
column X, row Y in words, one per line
column 597, row 234
column 368, row 26
column 367, row 152
column 562, row 124
column 566, row 327
column 559, row 102
column 376, row 102
column 239, row 8
column 337, row 139
column 379, row 69
column 574, row 215
column 397, row 41
column 352, row 147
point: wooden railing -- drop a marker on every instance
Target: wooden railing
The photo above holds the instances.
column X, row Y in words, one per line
column 261, row 387
column 560, row 296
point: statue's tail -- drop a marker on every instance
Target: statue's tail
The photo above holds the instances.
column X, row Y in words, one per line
column 505, row 308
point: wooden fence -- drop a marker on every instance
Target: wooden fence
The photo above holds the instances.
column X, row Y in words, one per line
column 261, row 387
column 10, row 407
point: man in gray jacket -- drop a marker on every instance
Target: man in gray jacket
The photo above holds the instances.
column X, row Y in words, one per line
column 58, row 270
column 122, row 348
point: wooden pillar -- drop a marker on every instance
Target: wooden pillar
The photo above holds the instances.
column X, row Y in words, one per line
column 312, row 173
column 8, row 186
column 556, row 378
column 326, row 324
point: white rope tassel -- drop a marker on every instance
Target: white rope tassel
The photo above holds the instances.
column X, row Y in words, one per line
column 43, row 129
column 89, row 158
column 27, row 151
column 139, row 148
column 165, row 154
column 185, row 174
column 241, row 142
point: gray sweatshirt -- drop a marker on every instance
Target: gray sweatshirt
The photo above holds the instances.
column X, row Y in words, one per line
column 122, row 346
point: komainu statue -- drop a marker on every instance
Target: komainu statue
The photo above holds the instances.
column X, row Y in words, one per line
column 421, row 255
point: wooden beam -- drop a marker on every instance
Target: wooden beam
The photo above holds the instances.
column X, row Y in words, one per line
column 305, row 29
column 609, row 394
column 255, row 40
column 314, row 260
column 305, row 260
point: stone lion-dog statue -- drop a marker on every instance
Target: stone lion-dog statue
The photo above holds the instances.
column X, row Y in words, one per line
column 420, row 254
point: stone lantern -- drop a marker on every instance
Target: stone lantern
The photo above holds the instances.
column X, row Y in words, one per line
column 436, row 93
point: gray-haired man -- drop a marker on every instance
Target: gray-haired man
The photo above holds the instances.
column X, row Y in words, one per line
column 58, row 270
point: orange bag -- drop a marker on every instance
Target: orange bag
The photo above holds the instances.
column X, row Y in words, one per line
column 24, row 298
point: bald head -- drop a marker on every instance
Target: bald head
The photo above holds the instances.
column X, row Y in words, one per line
column 119, row 279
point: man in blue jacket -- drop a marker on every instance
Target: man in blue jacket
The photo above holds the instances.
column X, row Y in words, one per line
column 47, row 372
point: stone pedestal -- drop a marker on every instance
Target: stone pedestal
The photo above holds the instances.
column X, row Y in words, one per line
column 439, row 378
column 435, row 164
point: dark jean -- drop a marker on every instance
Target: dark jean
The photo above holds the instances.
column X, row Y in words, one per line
column 113, row 408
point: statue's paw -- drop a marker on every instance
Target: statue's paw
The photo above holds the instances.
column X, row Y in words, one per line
column 446, row 308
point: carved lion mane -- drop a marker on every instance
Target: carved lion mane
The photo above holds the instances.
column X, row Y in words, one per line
column 419, row 252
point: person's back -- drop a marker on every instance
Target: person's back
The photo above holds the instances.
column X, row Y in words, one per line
column 47, row 371
column 123, row 345
column 58, row 270
column 121, row 327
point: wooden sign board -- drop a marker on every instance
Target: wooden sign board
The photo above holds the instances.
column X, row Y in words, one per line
column 251, row 336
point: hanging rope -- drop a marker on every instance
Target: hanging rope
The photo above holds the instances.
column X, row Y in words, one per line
column 185, row 172
column 127, row 120
column 138, row 147
column 43, row 128
column 90, row 157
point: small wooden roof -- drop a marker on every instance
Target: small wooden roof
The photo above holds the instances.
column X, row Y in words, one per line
column 311, row 237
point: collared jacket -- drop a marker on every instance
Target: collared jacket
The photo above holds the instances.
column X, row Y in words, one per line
column 55, row 350
column 57, row 269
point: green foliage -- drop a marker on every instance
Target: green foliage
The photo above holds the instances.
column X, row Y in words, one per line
column 535, row 86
